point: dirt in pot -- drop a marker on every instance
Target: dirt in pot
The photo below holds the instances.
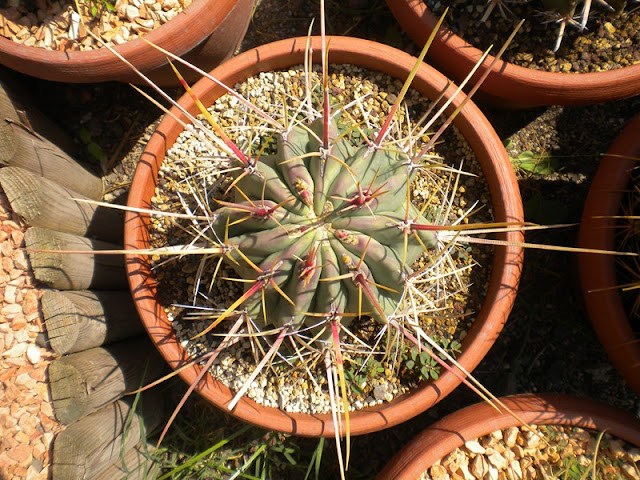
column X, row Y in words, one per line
column 541, row 451
column 611, row 40
column 68, row 26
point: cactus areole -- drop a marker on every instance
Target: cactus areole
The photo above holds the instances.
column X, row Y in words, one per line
column 324, row 231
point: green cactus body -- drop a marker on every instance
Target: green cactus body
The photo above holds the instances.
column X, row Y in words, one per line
column 320, row 224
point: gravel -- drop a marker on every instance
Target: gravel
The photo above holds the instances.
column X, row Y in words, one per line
column 545, row 451
column 26, row 415
column 610, row 41
column 55, row 25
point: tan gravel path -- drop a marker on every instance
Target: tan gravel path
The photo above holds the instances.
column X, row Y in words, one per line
column 27, row 423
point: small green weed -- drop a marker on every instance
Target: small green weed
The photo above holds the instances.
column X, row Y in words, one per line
column 423, row 365
column 93, row 148
column 538, row 163
column 358, row 377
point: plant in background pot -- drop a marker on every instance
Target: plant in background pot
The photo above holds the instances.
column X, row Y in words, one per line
column 604, row 225
column 513, row 85
column 206, row 32
column 556, row 443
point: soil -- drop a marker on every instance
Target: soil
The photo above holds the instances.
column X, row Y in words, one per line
column 610, row 41
column 63, row 25
column 547, row 345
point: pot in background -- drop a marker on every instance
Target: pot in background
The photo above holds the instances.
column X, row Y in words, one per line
column 206, row 33
column 509, row 85
column 598, row 272
column 506, row 203
column 478, row 420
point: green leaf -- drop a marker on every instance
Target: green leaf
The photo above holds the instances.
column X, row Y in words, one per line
column 85, row 135
column 96, row 151
column 541, row 164
column 424, row 356
column 288, row 456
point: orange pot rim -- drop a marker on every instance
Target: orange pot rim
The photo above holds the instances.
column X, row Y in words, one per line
column 509, row 85
column 481, row 419
column 598, row 272
column 491, row 155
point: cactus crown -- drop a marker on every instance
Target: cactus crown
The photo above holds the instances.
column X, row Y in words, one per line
column 317, row 225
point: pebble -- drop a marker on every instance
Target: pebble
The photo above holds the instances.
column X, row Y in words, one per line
column 33, row 354
column 474, row 447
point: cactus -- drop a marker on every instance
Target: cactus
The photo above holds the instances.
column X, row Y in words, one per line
column 319, row 225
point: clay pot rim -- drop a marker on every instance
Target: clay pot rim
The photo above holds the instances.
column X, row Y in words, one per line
column 200, row 19
column 506, row 267
column 596, row 272
column 481, row 419
column 509, row 82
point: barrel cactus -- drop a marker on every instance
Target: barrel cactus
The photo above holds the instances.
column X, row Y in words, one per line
column 323, row 231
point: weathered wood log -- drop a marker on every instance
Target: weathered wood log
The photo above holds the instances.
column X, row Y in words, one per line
column 136, row 464
column 67, row 271
column 90, row 445
column 29, row 140
column 43, row 203
column 84, row 382
column 17, row 105
column 21, row 147
column 83, row 319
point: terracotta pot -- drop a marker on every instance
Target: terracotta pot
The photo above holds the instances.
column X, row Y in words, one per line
column 481, row 419
column 206, row 33
column 512, row 86
column 605, row 308
column 506, row 206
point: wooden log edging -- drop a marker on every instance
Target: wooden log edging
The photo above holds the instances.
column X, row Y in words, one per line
column 92, row 444
column 30, row 140
column 83, row 319
column 17, row 105
column 136, row 464
column 65, row 271
column 84, row 382
column 43, row 203
column 104, row 440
